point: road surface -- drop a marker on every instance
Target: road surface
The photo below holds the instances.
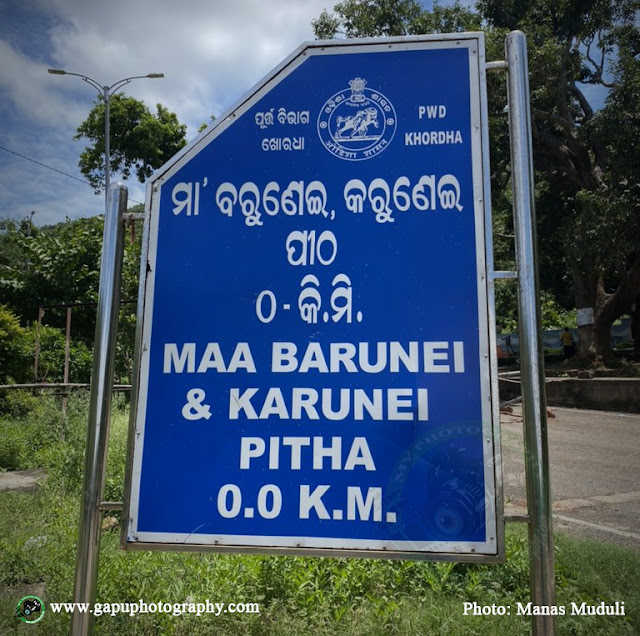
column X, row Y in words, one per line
column 594, row 461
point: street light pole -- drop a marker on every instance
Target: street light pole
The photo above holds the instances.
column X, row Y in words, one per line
column 106, row 93
column 88, row 550
column 107, row 141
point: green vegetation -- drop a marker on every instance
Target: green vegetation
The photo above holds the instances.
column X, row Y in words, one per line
column 14, row 348
column 141, row 141
column 296, row 595
column 51, row 267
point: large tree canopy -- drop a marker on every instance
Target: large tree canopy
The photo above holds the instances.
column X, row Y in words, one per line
column 371, row 18
column 140, row 141
column 586, row 159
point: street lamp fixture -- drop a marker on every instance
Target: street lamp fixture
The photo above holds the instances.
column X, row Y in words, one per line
column 106, row 92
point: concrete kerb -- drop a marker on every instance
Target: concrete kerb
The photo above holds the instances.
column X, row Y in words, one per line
column 601, row 394
column 22, row 480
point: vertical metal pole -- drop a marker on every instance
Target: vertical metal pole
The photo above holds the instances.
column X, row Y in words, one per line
column 107, row 145
column 37, row 357
column 531, row 354
column 67, row 345
column 86, row 576
column 67, row 351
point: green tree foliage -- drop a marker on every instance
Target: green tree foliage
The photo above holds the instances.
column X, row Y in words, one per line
column 372, row 18
column 51, row 345
column 15, row 360
column 11, row 230
column 588, row 224
column 59, row 265
column 586, row 162
column 129, row 295
column 140, row 141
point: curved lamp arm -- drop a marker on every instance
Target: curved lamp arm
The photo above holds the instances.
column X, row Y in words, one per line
column 105, row 93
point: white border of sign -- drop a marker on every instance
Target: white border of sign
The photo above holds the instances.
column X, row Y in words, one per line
column 491, row 550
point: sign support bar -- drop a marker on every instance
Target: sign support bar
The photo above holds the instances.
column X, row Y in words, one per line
column 86, row 575
column 534, row 406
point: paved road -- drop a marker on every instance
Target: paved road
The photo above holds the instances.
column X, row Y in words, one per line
column 595, row 472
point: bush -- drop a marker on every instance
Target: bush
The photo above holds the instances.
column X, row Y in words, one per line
column 17, row 403
column 15, row 360
column 51, row 356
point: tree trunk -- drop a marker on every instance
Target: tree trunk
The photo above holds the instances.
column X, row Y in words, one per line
column 635, row 325
column 585, row 285
column 595, row 339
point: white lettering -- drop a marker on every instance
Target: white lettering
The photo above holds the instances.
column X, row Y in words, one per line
column 337, row 357
column 185, row 357
column 183, row 360
column 304, row 400
column 253, row 452
column 309, row 501
column 394, row 404
column 314, row 359
column 296, row 444
column 274, row 405
column 431, row 356
column 250, row 447
column 360, row 455
column 283, row 358
column 334, row 451
column 373, row 502
column 239, row 403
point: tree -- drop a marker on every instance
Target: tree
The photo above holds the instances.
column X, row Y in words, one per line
column 60, row 264
column 570, row 46
column 618, row 124
column 587, row 186
column 10, row 230
column 140, row 141
column 372, row 18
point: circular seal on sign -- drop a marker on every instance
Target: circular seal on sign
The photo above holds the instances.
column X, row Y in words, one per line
column 357, row 123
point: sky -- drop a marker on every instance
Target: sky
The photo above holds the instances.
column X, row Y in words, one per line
column 211, row 51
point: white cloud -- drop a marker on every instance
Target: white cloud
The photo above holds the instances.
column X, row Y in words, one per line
column 24, row 84
column 211, row 52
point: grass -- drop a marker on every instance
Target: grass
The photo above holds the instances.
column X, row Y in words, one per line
column 297, row 595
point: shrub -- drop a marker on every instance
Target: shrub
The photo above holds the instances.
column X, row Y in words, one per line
column 51, row 356
column 15, row 360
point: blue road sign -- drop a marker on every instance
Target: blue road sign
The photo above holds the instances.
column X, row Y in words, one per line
column 315, row 362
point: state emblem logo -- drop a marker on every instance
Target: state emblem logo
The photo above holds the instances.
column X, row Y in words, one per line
column 357, row 123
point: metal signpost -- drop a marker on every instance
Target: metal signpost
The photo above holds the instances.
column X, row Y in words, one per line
column 534, row 407
column 315, row 346
column 88, row 551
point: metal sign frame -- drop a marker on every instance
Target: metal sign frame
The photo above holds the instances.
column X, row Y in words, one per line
column 491, row 550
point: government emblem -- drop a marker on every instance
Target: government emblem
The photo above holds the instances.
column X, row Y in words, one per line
column 357, row 123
